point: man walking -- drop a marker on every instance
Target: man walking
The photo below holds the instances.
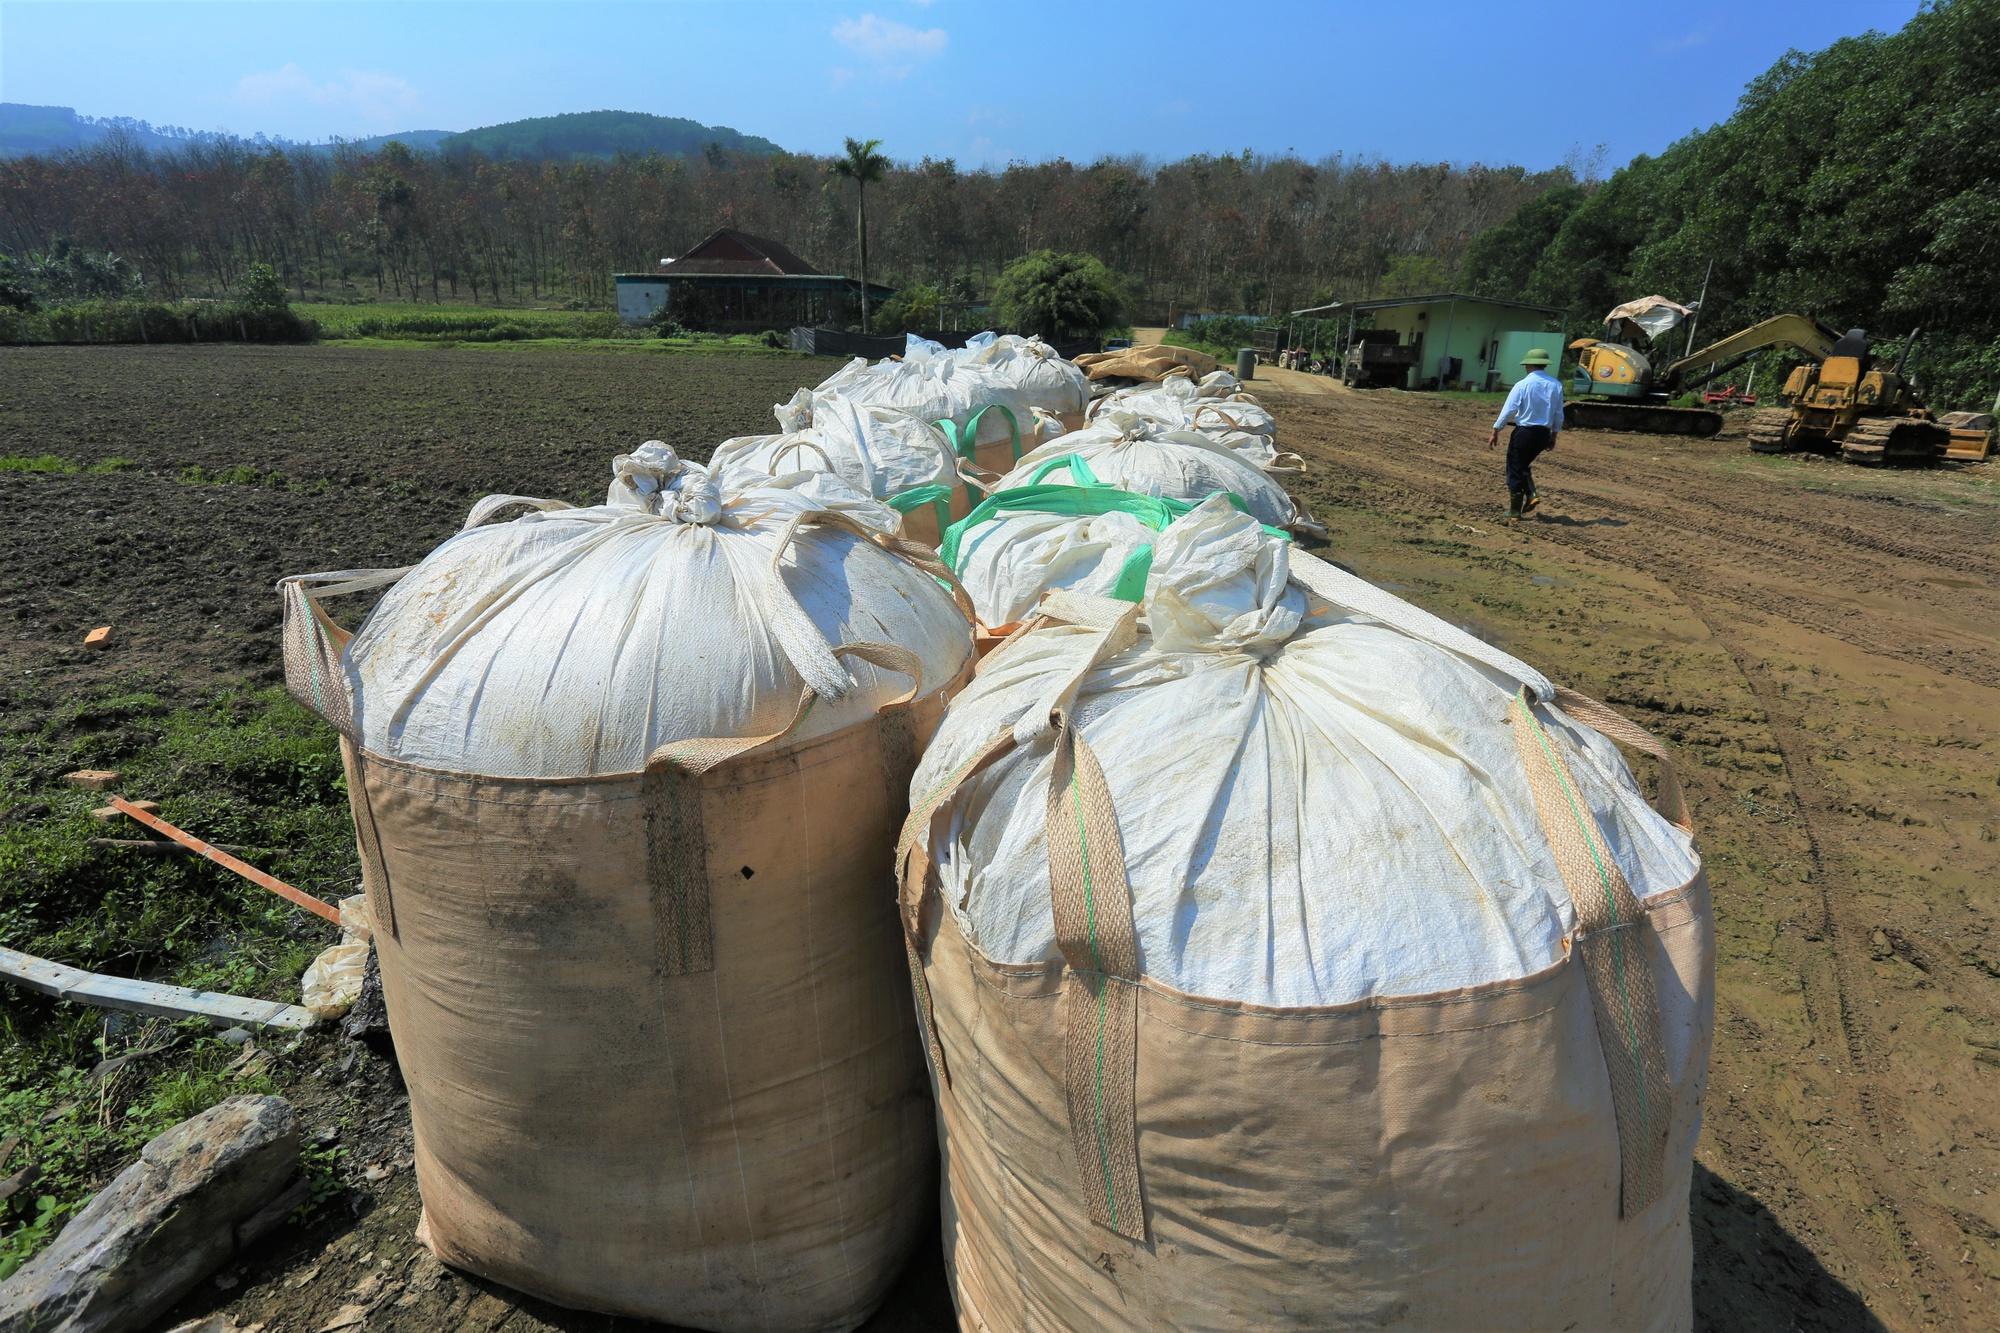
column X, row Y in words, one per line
column 1535, row 406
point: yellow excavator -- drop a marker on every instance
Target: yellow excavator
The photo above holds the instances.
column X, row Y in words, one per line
column 1838, row 400
column 1616, row 387
column 1844, row 401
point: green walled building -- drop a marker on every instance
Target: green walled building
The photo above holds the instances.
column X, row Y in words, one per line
column 1466, row 342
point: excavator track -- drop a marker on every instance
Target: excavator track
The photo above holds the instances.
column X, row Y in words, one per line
column 1770, row 431
column 1596, row 414
column 1895, row 440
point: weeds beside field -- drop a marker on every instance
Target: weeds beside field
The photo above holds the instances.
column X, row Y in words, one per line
column 385, row 324
column 81, row 1089
column 378, row 324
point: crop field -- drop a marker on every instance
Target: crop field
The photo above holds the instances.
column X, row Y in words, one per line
column 1817, row 641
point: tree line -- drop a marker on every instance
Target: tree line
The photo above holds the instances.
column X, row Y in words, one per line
column 1241, row 234
column 1859, row 184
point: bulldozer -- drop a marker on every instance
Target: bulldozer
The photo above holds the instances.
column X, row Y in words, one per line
column 1616, row 387
column 1843, row 400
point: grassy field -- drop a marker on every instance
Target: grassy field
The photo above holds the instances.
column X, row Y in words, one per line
column 394, row 324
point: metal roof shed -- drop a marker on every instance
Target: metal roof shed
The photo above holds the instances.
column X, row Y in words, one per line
column 1462, row 337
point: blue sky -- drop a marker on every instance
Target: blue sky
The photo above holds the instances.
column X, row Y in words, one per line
column 983, row 82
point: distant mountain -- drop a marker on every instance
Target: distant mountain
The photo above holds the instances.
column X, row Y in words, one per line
column 27, row 130
column 421, row 140
column 603, row 134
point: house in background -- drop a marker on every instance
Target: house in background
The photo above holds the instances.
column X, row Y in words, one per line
column 1464, row 342
column 733, row 282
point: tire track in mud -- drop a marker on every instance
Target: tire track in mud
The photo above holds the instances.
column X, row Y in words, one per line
column 1827, row 989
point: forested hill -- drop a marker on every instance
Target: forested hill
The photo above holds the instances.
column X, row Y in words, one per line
column 27, row 130
column 1860, row 184
column 603, row 134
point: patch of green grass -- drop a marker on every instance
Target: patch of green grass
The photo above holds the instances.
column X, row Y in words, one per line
column 1494, row 396
column 468, row 323
column 1175, row 338
column 247, row 766
column 735, row 344
column 63, row 466
column 77, row 1123
column 242, row 474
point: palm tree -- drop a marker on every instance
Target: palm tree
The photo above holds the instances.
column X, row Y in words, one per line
column 862, row 165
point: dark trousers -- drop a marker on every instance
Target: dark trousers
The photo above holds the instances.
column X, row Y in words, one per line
column 1524, row 446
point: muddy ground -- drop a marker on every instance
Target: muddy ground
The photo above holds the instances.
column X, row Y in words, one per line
column 1818, row 641
column 1822, row 644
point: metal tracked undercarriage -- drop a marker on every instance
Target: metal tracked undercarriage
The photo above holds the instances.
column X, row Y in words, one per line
column 1895, row 440
column 1651, row 419
column 1868, row 440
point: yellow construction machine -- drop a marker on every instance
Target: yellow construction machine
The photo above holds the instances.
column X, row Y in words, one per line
column 1616, row 387
column 1844, row 401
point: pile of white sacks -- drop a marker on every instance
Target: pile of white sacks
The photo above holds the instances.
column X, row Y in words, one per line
column 1299, row 958
column 932, row 432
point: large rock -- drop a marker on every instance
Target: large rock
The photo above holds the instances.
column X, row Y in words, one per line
column 198, row 1193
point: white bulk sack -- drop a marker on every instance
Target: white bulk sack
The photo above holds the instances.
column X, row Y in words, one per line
column 1140, row 454
column 988, row 416
column 883, row 452
column 1047, row 380
column 625, row 781
column 1245, row 428
column 1019, row 544
column 572, row 642
column 1306, row 963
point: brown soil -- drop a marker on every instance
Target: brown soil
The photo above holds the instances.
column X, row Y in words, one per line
column 340, row 458
column 1822, row 644
column 1819, row 642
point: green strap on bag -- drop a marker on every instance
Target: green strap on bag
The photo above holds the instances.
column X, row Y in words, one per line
column 938, row 497
column 963, row 441
column 1084, row 501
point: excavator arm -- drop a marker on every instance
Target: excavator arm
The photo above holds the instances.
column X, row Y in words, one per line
column 1808, row 335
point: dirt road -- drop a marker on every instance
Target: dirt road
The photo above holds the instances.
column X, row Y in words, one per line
column 1822, row 643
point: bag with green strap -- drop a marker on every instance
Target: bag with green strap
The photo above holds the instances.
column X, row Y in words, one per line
column 1086, row 536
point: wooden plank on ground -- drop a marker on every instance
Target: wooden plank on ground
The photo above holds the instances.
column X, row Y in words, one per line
column 147, row 997
column 137, row 810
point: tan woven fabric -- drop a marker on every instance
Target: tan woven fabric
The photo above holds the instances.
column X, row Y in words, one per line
column 607, row 1117
column 1093, row 914
column 1148, row 361
column 1449, row 1161
column 1623, row 993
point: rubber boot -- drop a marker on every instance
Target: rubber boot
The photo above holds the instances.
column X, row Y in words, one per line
column 1515, row 499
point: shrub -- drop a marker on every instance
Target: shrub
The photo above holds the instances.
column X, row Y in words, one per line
column 263, row 289
column 912, row 309
column 1059, row 296
column 157, row 322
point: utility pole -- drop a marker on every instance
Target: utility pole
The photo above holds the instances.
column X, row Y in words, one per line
column 1695, row 318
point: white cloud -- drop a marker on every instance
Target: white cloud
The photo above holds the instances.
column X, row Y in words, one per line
column 891, row 49
column 1666, row 46
column 383, row 100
